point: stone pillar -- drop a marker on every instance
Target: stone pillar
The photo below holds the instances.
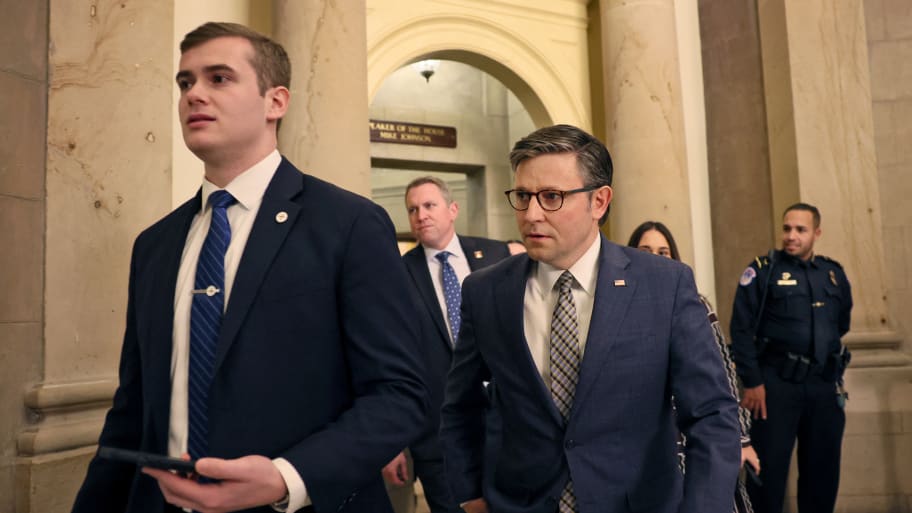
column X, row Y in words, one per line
column 23, row 111
column 106, row 176
column 821, row 141
column 645, row 119
column 325, row 132
column 822, row 137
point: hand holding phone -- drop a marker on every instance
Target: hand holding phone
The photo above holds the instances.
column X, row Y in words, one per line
column 146, row 459
column 752, row 474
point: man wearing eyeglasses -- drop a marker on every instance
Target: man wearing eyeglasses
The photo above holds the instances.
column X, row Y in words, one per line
column 587, row 342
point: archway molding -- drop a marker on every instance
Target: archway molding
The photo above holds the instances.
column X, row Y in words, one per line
column 492, row 48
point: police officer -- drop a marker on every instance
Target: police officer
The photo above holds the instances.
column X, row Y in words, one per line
column 791, row 309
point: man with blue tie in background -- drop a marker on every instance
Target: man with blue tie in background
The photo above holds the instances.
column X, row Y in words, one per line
column 268, row 325
column 587, row 342
column 436, row 268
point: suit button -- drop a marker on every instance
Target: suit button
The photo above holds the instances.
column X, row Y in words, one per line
column 570, row 444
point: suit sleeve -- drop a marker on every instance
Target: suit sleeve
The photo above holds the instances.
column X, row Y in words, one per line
column 743, row 414
column 743, row 323
column 462, row 422
column 107, row 484
column 706, row 411
column 380, row 344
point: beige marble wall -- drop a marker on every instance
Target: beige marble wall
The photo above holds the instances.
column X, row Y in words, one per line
column 822, row 151
column 889, row 31
column 23, row 114
column 108, row 175
column 834, row 166
column 889, row 43
column 645, row 118
column 325, row 132
column 742, row 218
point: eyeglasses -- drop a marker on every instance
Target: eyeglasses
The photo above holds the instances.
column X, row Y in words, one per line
column 549, row 200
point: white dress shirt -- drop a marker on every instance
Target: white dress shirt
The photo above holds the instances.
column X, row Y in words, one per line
column 248, row 189
column 541, row 297
column 460, row 264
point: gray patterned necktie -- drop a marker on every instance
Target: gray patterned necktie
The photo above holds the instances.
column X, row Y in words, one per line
column 565, row 361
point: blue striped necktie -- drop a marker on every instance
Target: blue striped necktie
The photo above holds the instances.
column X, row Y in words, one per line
column 206, row 321
column 452, row 293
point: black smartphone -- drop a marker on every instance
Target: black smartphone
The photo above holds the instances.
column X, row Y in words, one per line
column 146, row 459
column 752, row 474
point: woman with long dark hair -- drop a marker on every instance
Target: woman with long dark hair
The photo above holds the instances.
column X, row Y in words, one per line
column 654, row 237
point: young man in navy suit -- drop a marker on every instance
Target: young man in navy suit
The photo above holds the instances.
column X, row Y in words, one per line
column 305, row 380
column 587, row 342
column 432, row 214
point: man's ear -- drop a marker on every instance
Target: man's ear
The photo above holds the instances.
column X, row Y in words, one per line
column 601, row 198
column 277, row 99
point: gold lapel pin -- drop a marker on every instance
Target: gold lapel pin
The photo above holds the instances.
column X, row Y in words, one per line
column 281, row 217
column 478, row 254
column 620, row 283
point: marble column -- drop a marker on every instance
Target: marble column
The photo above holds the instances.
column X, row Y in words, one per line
column 821, row 143
column 821, row 140
column 325, row 132
column 106, row 176
column 23, row 111
column 645, row 123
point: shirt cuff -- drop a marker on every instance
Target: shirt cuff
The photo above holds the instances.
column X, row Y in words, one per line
column 297, row 492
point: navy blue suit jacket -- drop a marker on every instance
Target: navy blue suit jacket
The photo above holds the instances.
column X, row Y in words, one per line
column 317, row 361
column 648, row 339
column 435, row 340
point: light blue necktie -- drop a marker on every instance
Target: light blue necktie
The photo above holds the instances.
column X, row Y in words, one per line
column 206, row 321
column 452, row 293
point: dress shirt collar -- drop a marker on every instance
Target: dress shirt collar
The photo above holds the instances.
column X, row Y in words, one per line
column 248, row 187
column 454, row 247
column 584, row 271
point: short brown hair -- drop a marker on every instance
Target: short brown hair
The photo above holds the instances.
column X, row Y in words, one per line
column 269, row 58
column 433, row 180
column 592, row 157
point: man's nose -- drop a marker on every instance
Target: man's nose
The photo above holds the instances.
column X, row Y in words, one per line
column 194, row 93
column 535, row 210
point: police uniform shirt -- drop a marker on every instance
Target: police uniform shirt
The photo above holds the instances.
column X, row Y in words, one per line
column 806, row 311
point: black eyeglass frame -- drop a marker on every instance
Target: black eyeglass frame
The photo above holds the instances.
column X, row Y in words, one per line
column 563, row 194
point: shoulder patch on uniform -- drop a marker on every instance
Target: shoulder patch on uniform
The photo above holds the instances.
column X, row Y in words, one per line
column 747, row 276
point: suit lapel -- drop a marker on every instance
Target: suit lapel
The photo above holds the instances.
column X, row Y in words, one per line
column 509, row 294
column 166, row 260
column 475, row 256
column 416, row 264
column 609, row 309
column 266, row 237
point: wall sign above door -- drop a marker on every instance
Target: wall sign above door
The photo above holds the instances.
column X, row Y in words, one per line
column 412, row 133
